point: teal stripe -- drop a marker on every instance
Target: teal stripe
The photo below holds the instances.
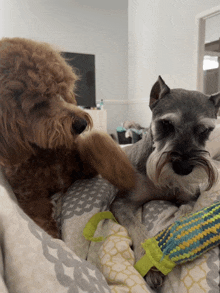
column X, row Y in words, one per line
column 192, row 257
column 174, row 240
column 210, row 212
column 169, row 243
column 177, row 224
column 197, row 243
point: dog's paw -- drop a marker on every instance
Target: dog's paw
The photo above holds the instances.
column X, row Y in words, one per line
column 154, row 278
column 139, row 252
column 48, row 226
column 52, row 230
column 106, row 157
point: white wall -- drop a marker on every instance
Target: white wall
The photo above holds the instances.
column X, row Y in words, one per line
column 162, row 41
column 84, row 26
column 132, row 45
column 212, row 28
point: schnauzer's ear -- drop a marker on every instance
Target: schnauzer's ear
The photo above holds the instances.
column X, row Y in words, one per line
column 159, row 90
column 215, row 99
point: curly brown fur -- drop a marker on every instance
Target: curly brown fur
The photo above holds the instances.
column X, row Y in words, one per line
column 41, row 150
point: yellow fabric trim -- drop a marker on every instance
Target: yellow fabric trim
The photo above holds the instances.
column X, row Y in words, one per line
column 153, row 257
column 91, row 226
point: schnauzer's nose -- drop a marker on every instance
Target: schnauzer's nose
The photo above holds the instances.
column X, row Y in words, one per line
column 79, row 126
column 181, row 164
column 182, row 168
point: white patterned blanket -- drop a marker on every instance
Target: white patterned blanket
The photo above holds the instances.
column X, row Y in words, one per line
column 31, row 261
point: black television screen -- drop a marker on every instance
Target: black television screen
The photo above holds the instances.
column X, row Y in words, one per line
column 85, row 68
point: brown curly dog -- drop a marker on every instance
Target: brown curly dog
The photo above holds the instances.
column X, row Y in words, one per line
column 41, row 149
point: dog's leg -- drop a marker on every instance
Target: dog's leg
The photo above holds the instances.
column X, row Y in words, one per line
column 99, row 152
column 127, row 214
column 126, row 208
column 40, row 211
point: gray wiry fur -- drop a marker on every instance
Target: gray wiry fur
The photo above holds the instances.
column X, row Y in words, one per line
column 171, row 160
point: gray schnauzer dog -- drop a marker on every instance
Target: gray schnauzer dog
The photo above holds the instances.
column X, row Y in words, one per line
column 172, row 162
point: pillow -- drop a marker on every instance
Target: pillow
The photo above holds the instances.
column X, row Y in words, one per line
column 213, row 144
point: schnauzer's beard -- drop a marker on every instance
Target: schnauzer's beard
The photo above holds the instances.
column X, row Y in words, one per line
column 203, row 176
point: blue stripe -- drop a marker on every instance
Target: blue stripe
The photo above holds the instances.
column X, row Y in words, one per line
column 200, row 218
column 179, row 223
column 174, row 242
column 196, row 244
column 208, row 247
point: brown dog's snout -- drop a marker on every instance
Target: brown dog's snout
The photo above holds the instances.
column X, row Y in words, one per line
column 79, row 126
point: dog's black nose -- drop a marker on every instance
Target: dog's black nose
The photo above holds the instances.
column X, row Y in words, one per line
column 182, row 167
column 79, row 126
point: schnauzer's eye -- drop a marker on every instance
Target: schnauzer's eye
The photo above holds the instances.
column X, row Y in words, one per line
column 167, row 126
column 206, row 131
column 203, row 134
column 167, row 123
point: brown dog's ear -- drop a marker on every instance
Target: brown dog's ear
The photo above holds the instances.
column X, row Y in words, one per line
column 215, row 99
column 14, row 145
column 158, row 91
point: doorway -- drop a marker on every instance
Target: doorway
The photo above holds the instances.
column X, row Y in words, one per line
column 208, row 70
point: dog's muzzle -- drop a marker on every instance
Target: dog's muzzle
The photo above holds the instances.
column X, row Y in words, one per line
column 183, row 164
column 79, row 126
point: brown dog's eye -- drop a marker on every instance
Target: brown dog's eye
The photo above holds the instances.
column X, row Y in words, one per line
column 40, row 106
